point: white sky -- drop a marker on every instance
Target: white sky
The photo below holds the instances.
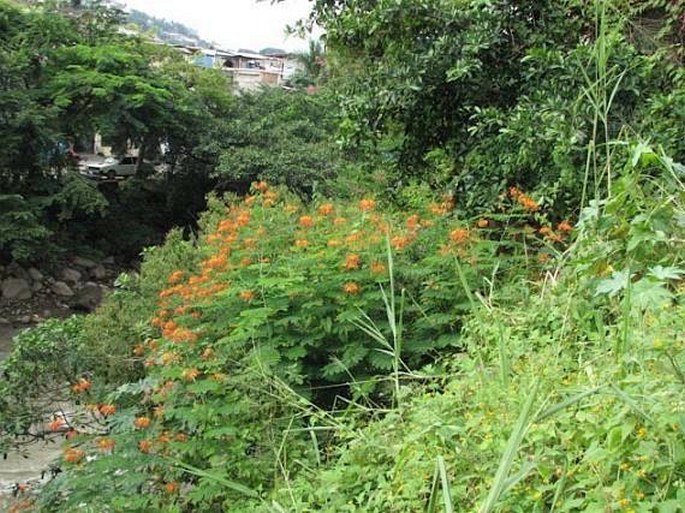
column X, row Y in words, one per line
column 232, row 23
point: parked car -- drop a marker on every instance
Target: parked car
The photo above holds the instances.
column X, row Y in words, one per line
column 112, row 167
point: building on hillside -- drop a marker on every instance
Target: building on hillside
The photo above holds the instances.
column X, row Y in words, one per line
column 248, row 71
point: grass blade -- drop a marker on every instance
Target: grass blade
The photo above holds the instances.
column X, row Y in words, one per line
column 507, row 460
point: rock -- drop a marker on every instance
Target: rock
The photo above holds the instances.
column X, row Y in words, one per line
column 4, row 320
column 109, row 261
column 36, row 286
column 24, row 319
column 86, row 263
column 98, row 272
column 71, row 276
column 14, row 269
column 35, row 274
column 16, row 288
column 62, row 289
column 87, row 298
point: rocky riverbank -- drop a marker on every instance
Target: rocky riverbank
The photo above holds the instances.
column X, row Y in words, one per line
column 30, row 295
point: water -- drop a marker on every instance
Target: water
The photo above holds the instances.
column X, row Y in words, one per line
column 27, row 467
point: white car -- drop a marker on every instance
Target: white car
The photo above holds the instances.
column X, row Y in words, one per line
column 112, row 167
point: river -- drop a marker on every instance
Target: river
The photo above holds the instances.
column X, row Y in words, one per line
column 28, row 467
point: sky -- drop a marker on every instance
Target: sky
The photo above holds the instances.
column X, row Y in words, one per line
column 232, row 24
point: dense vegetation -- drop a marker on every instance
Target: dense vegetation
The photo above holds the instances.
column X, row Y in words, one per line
column 460, row 292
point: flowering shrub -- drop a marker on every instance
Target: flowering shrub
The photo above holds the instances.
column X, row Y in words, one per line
column 272, row 306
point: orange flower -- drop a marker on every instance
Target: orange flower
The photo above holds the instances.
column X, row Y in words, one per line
column 301, row 243
column 352, row 288
column 247, row 295
column 459, row 235
column 142, row 422
column 353, row 261
column 306, row 221
column 339, row 221
column 413, row 222
column 144, row 446
column 56, row 424
column 377, row 268
column 514, row 192
column 139, row 350
column 249, row 200
column 245, row 261
column 260, row 186
column 527, row 202
column 243, row 219
column 190, row 374
column 483, row 223
column 73, row 455
column 106, row 444
column 107, row 409
column 367, row 205
column 399, row 242
column 164, row 438
column 326, row 209
column 290, row 209
column 180, row 437
column 71, row 434
column 158, row 411
column 172, row 487
column 565, row 226
column 175, row 277
column 82, row 386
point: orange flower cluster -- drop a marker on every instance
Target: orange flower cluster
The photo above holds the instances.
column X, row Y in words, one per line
column 565, row 226
column 172, row 487
column 483, row 223
column 74, row 455
column 56, row 424
column 399, row 242
column 260, row 186
column 190, row 374
column 175, row 277
column 145, row 446
column 352, row 288
column 524, row 200
column 549, row 234
column 442, row 208
column 352, row 262
column 83, row 385
column 306, row 221
column 301, row 243
column 367, row 205
column 326, row 209
column 459, row 235
column 107, row 409
column 142, row 422
column 247, row 295
column 106, row 444
column 378, row 267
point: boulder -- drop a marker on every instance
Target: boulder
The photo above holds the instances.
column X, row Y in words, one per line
column 109, row 261
column 87, row 298
column 98, row 272
column 71, row 276
column 86, row 263
column 35, row 274
column 61, row 289
column 16, row 288
column 14, row 269
column 36, row 286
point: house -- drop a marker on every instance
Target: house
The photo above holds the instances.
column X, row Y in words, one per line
column 247, row 70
